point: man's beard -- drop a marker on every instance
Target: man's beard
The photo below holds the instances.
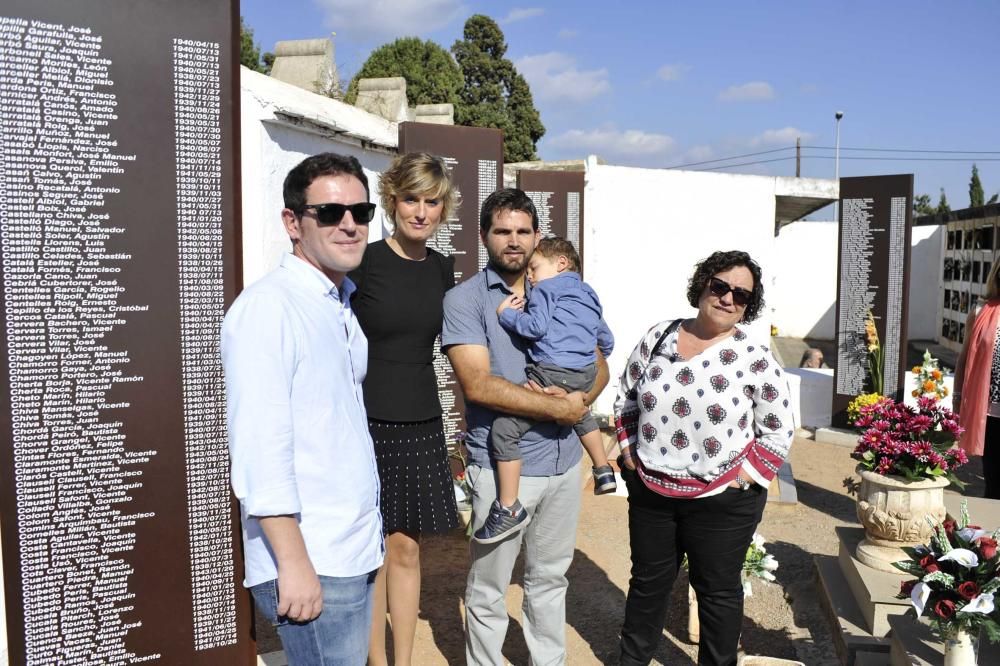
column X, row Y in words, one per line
column 498, row 264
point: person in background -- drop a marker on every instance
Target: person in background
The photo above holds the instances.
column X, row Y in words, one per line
column 399, row 302
column 564, row 323
column 703, row 422
column 811, row 358
column 976, row 398
column 302, row 463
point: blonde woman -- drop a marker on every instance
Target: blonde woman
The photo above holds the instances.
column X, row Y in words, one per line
column 401, row 286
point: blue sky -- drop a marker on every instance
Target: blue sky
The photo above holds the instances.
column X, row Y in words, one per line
column 663, row 83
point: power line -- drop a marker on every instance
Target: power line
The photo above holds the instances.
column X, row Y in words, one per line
column 726, row 159
column 911, row 150
column 904, row 159
column 729, row 166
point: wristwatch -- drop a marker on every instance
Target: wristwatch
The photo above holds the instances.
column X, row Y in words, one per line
column 742, row 483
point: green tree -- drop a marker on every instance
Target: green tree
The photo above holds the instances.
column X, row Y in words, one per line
column 943, row 206
column 250, row 51
column 432, row 77
column 495, row 94
column 993, row 199
column 922, row 205
column 976, row 195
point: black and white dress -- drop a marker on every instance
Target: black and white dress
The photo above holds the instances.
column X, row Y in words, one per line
column 399, row 303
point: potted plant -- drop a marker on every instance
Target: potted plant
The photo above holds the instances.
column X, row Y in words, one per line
column 906, row 457
column 955, row 581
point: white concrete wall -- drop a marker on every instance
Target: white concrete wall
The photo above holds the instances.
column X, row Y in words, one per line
column 646, row 228
column 804, row 294
column 926, row 290
column 280, row 126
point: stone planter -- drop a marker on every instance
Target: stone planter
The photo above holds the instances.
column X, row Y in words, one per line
column 894, row 513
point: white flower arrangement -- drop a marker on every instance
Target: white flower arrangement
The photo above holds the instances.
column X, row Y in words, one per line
column 757, row 564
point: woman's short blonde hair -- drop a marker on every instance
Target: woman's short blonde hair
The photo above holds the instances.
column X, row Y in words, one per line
column 992, row 288
column 419, row 174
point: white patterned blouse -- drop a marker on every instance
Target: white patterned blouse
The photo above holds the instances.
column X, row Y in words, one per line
column 694, row 423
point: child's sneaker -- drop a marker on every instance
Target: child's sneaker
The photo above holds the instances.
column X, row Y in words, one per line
column 604, row 480
column 502, row 522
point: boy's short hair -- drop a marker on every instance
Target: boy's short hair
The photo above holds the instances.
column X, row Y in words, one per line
column 556, row 246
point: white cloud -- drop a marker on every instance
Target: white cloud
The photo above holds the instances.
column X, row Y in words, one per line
column 779, row 137
column 520, row 14
column 554, row 76
column 567, row 33
column 671, row 72
column 635, row 146
column 748, row 92
column 378, row 19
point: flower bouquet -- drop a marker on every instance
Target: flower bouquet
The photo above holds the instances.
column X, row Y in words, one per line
column 915, row 443
column 928, row 379
column 757, row 564
column 956, row 579
column 876, row 354
column 463, row 493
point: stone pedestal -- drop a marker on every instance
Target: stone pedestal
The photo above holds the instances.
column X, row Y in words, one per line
column 895, row 514
column 859, row 601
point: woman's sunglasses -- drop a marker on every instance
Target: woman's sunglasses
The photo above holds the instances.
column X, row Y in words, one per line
column 330, row 214
column 720, row 288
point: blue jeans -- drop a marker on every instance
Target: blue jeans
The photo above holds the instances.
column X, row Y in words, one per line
column 339, row 636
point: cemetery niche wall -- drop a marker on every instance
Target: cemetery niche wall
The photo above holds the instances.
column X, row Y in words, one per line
column 118, row 202
column 876, row 213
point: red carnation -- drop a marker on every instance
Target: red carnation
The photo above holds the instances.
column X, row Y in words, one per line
column 929, row 564
column 906, row 586
column 944, row 608
column 987, row 547
column 949, row 526
column 968, row 590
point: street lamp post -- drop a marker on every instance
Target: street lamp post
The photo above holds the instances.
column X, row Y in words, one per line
column 836, row 162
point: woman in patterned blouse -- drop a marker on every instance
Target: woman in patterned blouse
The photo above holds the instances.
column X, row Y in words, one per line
column 704, row 423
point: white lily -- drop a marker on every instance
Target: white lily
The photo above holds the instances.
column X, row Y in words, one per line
column 767, row 575
column 962, row 556
column 769, row 563
column 758, row 540
column 981, row 604
column 747, row 588
column 918, row 597
column 969, row 534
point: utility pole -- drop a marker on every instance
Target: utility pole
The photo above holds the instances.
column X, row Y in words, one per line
column 798, row 157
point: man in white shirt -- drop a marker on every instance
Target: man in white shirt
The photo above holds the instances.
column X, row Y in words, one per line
column 303, row 465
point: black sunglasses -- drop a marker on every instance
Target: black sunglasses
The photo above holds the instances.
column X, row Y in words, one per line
column 720, row 288
column 330, row 214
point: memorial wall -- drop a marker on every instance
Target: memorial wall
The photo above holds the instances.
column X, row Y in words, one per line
column 118, row 203
column 475, row 157
column 558, row 196
column 872, row 277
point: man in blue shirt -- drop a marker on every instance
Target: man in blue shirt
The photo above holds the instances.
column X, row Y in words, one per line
column 294, row 357
column 489, row 363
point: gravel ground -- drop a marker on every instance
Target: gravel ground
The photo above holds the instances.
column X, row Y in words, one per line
column 782, row 619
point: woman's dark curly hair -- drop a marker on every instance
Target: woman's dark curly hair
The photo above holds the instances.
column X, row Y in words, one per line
column 723, row 261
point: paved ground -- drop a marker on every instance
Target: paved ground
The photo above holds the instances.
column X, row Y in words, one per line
column 783, row 619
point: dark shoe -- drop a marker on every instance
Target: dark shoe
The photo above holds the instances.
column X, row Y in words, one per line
column 502, row 523
column 604, row 480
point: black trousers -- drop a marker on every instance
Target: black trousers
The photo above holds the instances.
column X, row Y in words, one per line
column 991, row 458
column 715, row 533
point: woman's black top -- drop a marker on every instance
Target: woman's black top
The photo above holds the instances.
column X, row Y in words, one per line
column 400, row 304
